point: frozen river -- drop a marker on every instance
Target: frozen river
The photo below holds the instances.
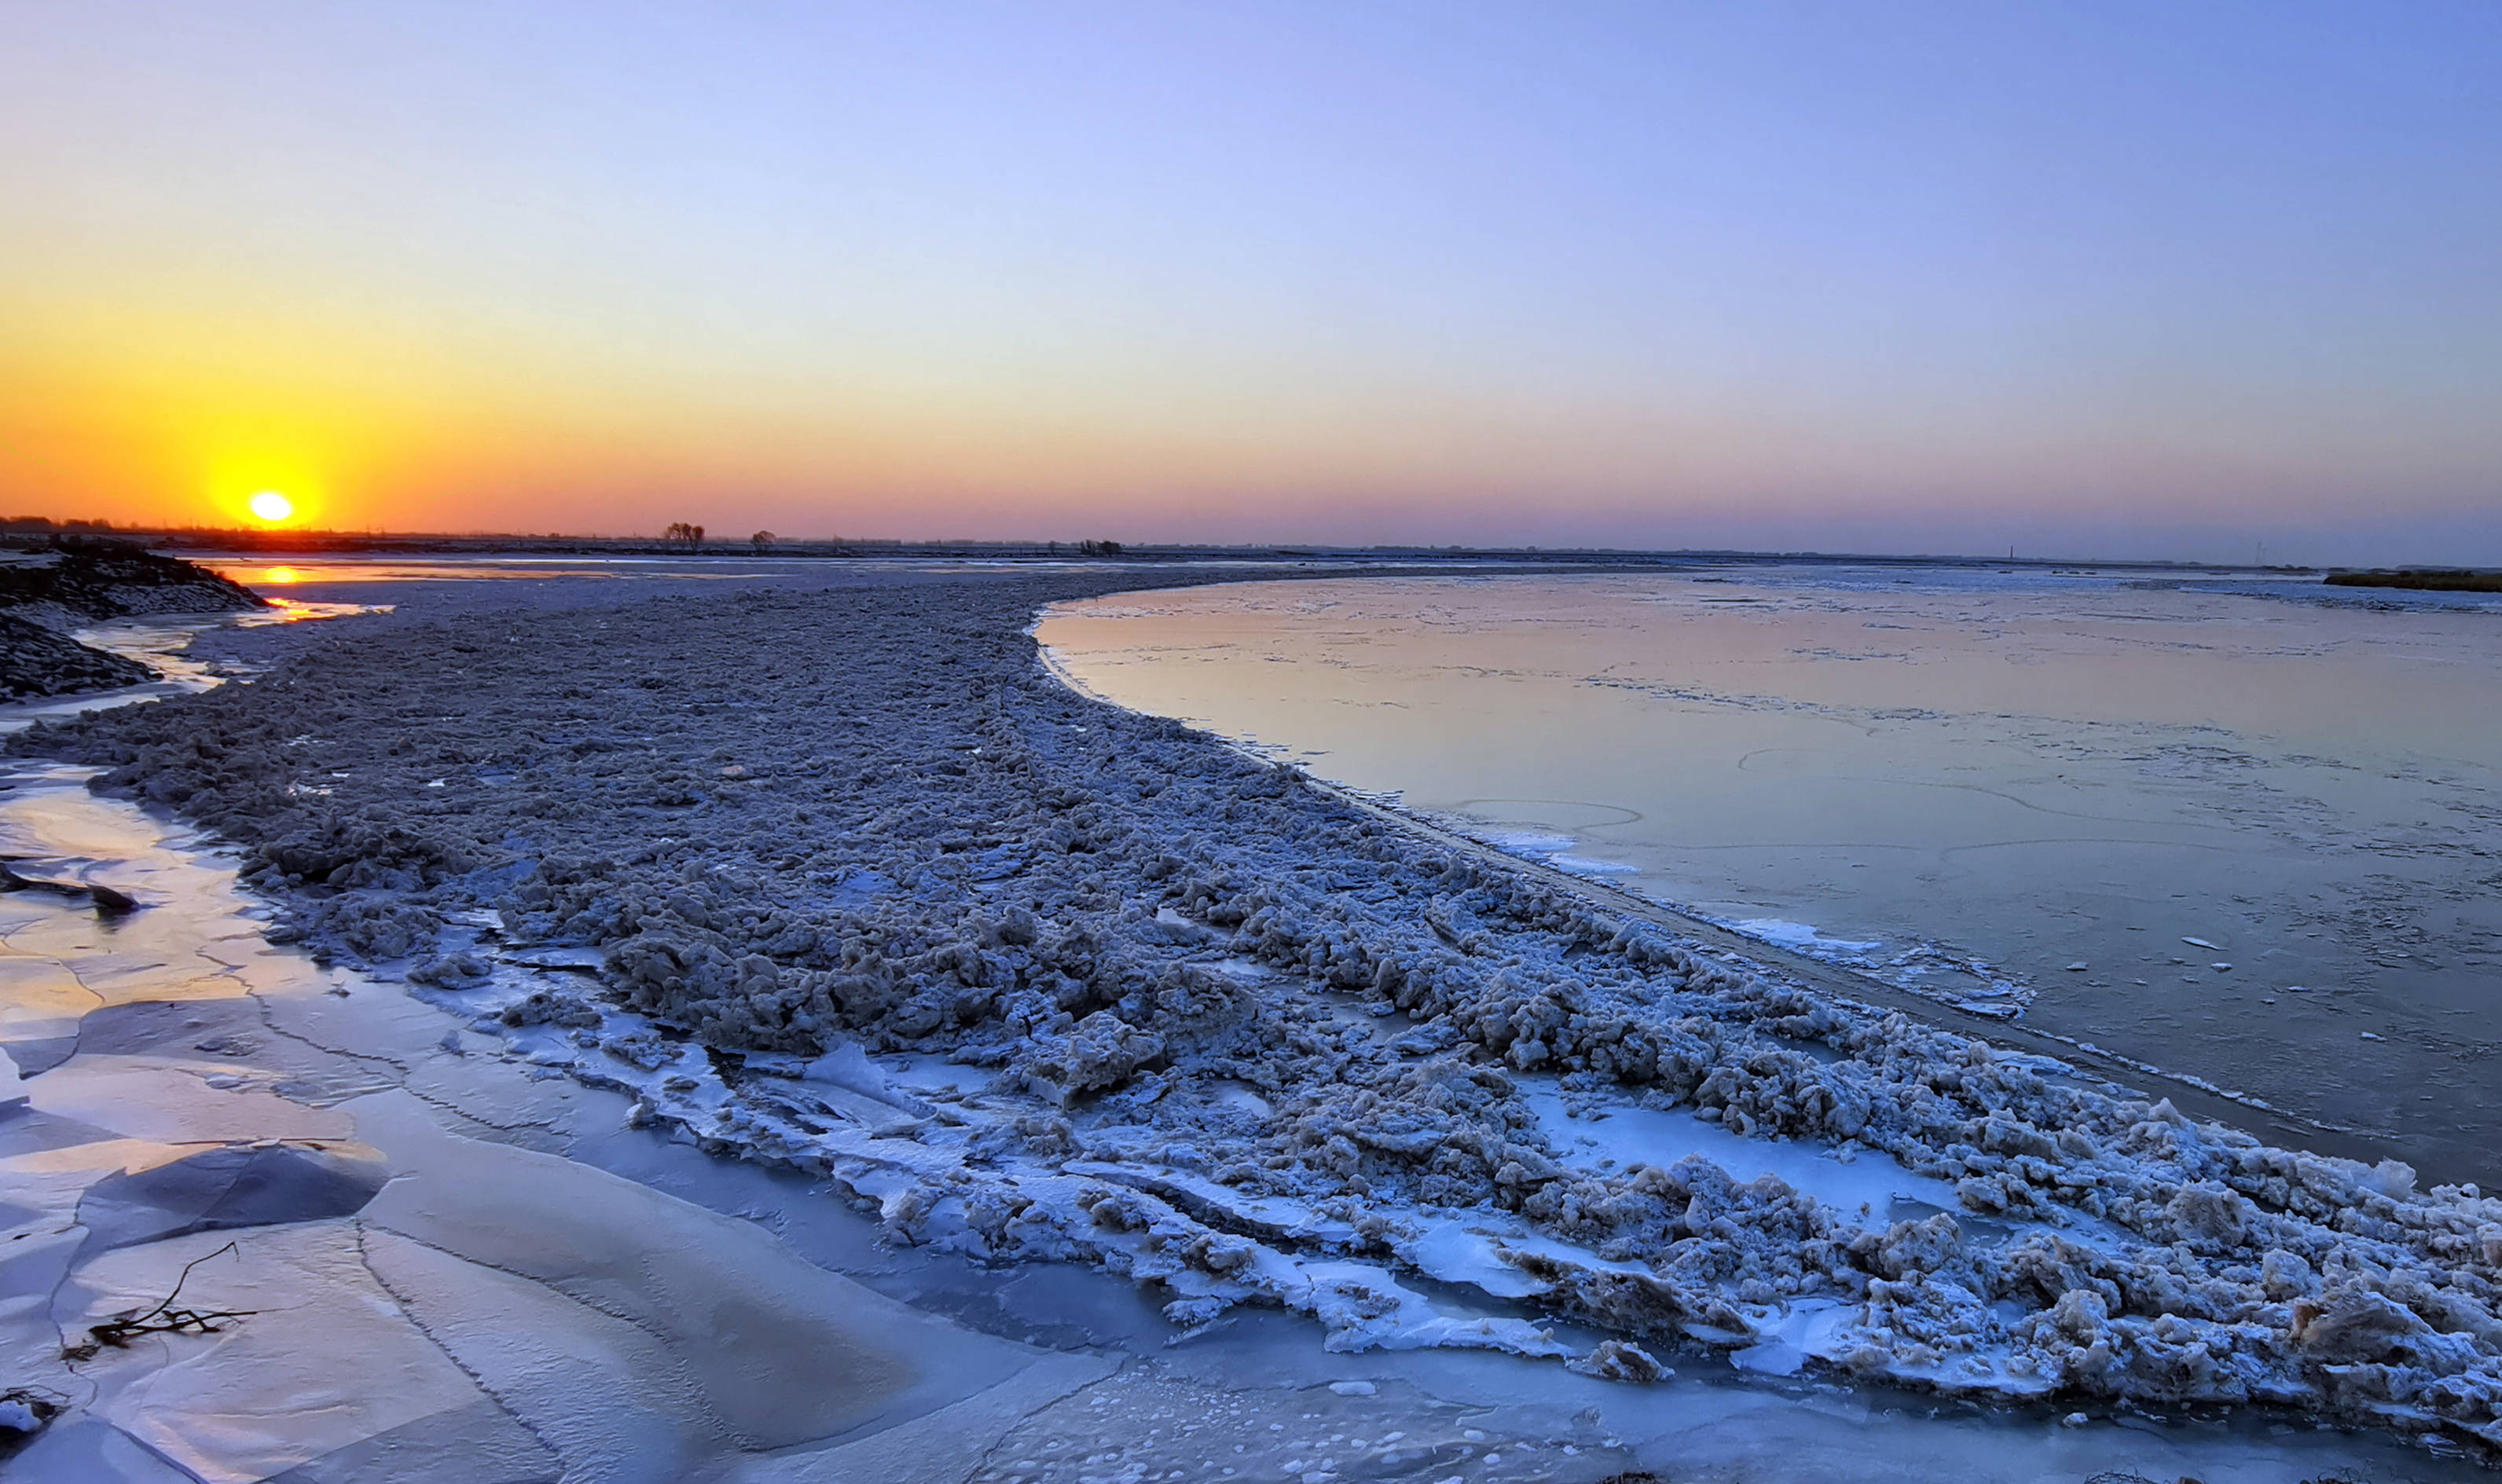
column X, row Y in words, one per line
column 446, row 1306
column 2240, row 830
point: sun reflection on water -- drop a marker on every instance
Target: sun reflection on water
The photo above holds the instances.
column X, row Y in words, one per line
column 288, row 610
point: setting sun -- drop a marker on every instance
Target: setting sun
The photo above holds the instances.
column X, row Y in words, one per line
column 271, row 506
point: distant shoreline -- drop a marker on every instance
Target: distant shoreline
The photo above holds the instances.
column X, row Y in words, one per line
column 2420, row 579
column 254, row 544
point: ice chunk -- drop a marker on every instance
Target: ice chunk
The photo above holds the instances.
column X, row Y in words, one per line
column 1802, row 936
column 848, row 1066
column 236, row 1184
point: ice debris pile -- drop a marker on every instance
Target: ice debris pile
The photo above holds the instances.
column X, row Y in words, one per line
column 847, row 879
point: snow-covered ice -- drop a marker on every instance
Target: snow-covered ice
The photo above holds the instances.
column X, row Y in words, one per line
column 845, row 882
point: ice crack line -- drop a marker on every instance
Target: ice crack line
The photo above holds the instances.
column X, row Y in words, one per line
column 364, row 1260
column 1008, row 1432
column 403, row 1068
column 669, row 1347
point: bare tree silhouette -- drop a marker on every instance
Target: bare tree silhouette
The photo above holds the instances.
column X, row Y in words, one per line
column 680, row 530
column 762, row 541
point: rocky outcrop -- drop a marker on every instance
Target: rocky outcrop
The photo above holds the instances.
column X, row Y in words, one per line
column 49, row 591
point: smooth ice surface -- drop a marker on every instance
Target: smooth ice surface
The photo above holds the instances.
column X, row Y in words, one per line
column 2243, row 831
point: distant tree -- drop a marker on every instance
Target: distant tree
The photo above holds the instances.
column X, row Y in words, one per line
column 1094, row 548
column 762, row 541
column 680, row 530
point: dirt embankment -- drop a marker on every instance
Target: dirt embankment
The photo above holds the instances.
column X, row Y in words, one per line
column 49, row 591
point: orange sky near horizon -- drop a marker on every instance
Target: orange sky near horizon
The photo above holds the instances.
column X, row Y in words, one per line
column 171, row 416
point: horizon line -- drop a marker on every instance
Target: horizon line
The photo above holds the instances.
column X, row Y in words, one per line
column 21, row 526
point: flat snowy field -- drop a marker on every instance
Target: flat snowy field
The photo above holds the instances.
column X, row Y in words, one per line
column 844, row 881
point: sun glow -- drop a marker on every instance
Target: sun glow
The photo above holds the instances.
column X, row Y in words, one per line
column 271, row 506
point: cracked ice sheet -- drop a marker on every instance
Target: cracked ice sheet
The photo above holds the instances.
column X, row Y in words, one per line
column 176, row 1100
column 737, row 1344
column 41, row 1000
column 326, row 1361
column 562, row 1288
column 1425, row 1419
column 781, row 1351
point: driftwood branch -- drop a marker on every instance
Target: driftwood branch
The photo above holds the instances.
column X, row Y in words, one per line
column 163, row 1318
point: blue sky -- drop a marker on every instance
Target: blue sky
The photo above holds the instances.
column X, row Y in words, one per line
column 2097, row 280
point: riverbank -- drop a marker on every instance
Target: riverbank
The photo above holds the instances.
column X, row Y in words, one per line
column 1040, row 979
column 2105, row 816
column 48, row 593
column 2420, row 579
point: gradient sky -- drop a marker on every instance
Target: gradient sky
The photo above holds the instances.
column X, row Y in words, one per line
column 2111, row 279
